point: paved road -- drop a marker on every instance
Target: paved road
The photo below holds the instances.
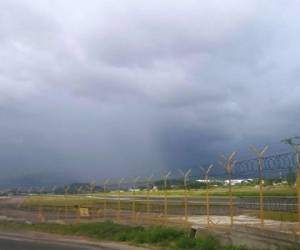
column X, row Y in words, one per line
column 41, row 241
column 21, row 244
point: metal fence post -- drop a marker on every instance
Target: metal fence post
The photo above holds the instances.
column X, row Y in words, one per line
column 165, row 178
column 185, row 176
column 54, row 189
column 78, row 212
column 133, row 199
column 260, row 157
column 105, row 198
column 228, row 164
column 148, row 195
column 66, row 189
column 29, row 191
column 296, row 147
column 206, row 171
column 119, row 198
column 298, row 182
column 40, row 213
column 92, row 187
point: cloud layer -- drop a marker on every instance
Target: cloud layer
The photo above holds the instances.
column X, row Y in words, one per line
column 102, row 89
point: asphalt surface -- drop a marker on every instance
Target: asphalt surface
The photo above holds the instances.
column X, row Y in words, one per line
column 21, row 244
column 43, row 241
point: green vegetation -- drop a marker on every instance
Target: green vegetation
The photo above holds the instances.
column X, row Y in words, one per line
column 291, row 177
column 238, row 190
column 278, row 215
column 160, row 237
column 60, row 200
column 95, row 202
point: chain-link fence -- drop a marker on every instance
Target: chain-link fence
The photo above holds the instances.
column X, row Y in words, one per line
column 259, row 193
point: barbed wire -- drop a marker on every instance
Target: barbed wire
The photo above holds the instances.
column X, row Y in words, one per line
column 284, row 161
column 277, row 164
column 273, row 166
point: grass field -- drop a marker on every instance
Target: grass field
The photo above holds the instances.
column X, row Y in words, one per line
column 238, row 191
column 70, row 202
column 157, row 237
column 278, row 215
column 60, row 200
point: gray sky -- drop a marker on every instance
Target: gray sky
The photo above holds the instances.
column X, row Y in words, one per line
column 90, row 89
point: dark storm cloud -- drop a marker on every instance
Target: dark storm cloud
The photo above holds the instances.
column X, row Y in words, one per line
column 107, row 89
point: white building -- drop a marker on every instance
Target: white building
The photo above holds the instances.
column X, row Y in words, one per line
column 238, row 181
column 204, row 181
